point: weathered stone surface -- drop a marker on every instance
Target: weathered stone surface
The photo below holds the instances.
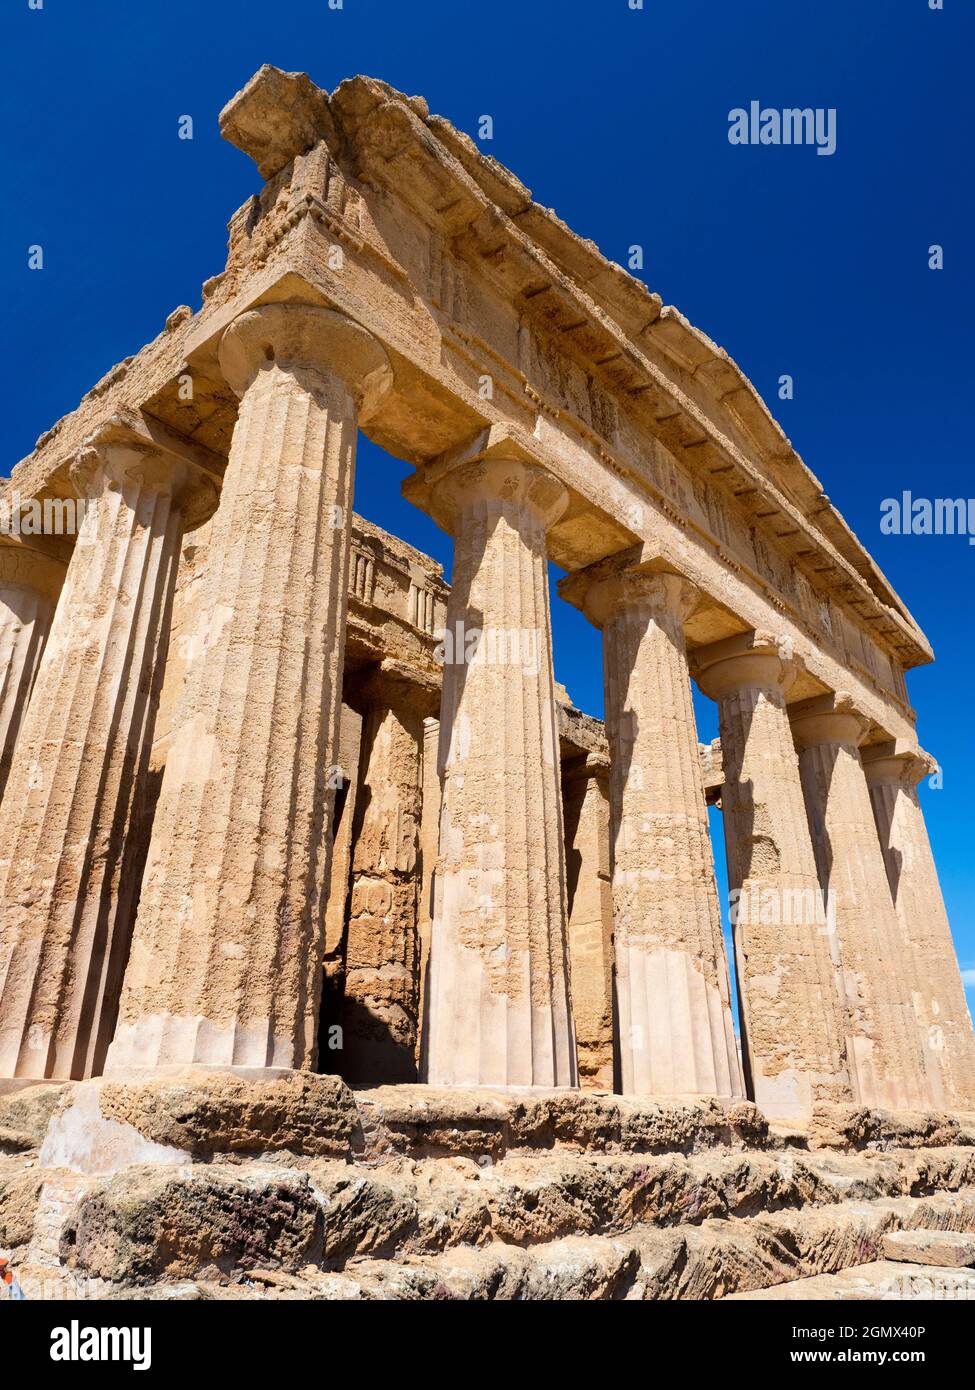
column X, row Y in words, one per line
column 24, row 1115
column 276, row 116
column 560, row 1209
column 432, row 1120
column 205, row 1113
column 839, row 1126
column 146, row 1222
column 713, row 1260
column 950, row 1249
column 20, row 1190
column 881, row 1280
column 362, row 1214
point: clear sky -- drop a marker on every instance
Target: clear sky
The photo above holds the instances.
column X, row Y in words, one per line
column 815, row 266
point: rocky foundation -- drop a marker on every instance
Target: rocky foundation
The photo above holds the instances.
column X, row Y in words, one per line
column 203, row 1186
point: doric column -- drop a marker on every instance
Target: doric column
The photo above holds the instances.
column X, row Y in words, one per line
column 381, row 1007
column 79, row 767
column 788, row 983
column 226, row 958
column 938, row 995
column 676, row 1035
column 30, row 583
column 499, row 1010
column 429, row 846
column 585, row 796
column 345, row 784
column 882, row 1041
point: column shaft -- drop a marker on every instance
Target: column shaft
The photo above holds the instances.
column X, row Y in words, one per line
column 79, row 768
column 499, row 990
column 382, row 981
column 585, row 789
column 429, row 846
column 938, row 995
column 226, row 960
column 675, row 1028
column 789, row 995
column 882, row 1042
column 30, row 583
column 345, row 777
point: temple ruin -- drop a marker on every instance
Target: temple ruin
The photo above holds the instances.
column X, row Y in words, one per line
column 277, row 799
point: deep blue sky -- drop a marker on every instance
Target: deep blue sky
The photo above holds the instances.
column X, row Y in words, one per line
column 618, row 119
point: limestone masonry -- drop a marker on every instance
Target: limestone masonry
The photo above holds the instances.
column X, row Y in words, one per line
column 284, row 813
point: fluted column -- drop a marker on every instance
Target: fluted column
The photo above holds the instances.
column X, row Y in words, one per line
column 79, row 767
column 227, row 954
column 30, row 583
column 882, row 1040
column 938, row 995
column 676, row 1035
column 429, row 845
column 499, row 1011
column 382, row 957
column 345, row 779
column 585, row 794
column 793, row 1037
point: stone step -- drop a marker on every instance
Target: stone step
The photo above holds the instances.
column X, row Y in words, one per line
column 333, row 1212
column 718, row 1259
column 601, row 1226
column 95, row 1125
column 949, row 1249
column 424, row 1206
column 417, row 1192
column 431, row 1122
column 882, row 1280
column 424, row 1121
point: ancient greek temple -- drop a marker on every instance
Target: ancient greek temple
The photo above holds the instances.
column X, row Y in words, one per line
column 277, row 797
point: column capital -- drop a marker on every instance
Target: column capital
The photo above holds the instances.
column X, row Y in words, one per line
column 749, row 660
column 499, row 465
column 896, row 763
column 115, row 455
column 23, row 567
column 828, row 719
column 501, row 480
column 308, row 340
column 664, row 592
